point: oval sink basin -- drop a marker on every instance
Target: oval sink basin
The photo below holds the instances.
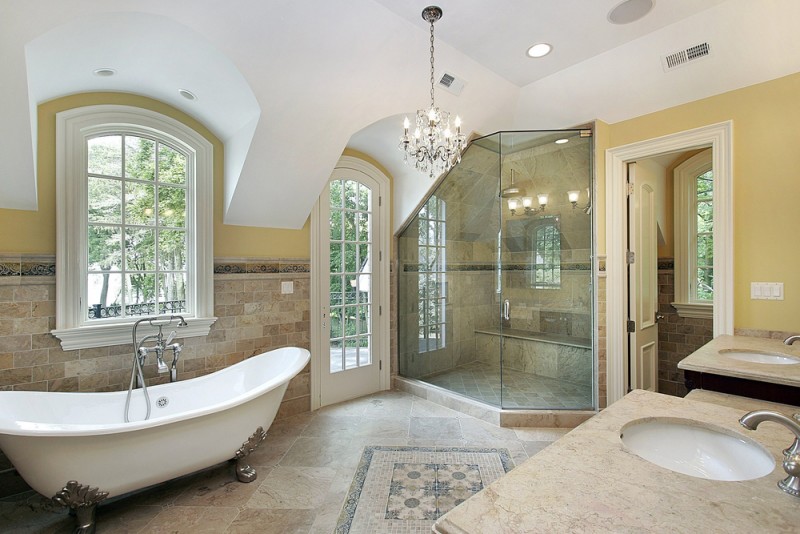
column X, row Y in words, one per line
column 759, row 357
column 696, row 449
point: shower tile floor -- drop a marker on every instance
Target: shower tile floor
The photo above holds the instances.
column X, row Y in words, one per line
column 305, row 468
column 520, row 390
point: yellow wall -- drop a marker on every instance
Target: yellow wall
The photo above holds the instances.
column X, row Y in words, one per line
column 766, row 186
column 34, row 232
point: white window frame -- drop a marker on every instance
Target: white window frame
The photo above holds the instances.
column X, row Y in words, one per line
column 437, row 277
column 73, row 127
column 685, row 186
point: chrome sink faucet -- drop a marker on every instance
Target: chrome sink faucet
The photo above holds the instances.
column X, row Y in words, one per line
column 791, row 339
column 791, row 455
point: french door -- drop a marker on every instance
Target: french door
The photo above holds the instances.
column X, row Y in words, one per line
column 351, row 343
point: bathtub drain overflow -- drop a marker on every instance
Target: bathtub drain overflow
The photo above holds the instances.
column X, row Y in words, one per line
column 162, row 402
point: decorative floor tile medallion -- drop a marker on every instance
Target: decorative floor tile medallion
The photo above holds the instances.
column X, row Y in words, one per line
column 405, row 489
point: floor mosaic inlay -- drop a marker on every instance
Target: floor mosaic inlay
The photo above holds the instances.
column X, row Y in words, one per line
column 405, row 489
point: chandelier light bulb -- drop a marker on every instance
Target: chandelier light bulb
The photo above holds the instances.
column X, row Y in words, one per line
column 527, row 202
column 513, row 204
column 573, row 196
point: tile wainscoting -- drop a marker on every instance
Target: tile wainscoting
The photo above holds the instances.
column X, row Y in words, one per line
column 252, row 317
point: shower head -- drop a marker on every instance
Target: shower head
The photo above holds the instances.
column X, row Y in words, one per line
column 512, row 190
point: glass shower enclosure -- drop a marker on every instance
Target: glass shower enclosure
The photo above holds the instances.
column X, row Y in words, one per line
column 495, row 275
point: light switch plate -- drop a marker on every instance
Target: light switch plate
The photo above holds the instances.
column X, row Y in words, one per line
column 287, row 288
column 766, row 290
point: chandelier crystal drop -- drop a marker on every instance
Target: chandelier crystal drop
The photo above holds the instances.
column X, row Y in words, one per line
column 434, row 146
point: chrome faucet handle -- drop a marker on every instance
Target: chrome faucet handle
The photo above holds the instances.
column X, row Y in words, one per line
column 170, row 337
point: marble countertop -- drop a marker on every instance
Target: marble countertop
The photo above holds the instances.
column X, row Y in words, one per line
column 711, row 358
column 588, row 482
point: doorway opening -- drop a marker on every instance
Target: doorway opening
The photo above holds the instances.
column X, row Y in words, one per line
column 719, row 138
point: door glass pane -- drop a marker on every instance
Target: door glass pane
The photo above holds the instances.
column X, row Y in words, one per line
column 350, row 268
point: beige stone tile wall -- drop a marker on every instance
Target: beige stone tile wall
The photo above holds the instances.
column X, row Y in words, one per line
column 677, row 336
column 253, row 317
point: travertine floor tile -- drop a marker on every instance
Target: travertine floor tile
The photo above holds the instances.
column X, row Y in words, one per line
column 305, row 469
column 302, row 488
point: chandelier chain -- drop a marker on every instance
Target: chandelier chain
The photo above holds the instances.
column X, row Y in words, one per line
column 432, row 78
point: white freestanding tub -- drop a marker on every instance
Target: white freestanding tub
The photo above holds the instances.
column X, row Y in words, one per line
column 54, row 438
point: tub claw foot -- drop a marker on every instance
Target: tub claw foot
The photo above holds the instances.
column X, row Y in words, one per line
column 244, row 472
column 83, row 501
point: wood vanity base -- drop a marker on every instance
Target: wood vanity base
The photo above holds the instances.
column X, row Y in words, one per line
column 740, row 386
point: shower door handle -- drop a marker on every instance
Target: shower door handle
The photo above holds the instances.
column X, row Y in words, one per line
column 506, row 310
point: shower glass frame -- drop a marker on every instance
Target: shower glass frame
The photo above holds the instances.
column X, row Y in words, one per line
column 515, row 290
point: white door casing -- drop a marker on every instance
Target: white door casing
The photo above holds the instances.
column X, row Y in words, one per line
column 366, row 370
column 720, row 138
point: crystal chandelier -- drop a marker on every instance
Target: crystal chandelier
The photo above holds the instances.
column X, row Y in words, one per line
column 433, row 147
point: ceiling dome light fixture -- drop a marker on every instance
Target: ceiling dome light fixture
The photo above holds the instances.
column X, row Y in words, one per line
column 630, row 11
column 539, row 50
column 433, row 147
column 104, row 72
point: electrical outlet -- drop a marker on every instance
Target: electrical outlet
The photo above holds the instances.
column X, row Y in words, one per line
column 287, row 288
column 766, row 290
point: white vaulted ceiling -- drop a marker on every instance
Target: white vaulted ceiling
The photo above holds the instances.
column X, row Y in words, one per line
column 288, row 84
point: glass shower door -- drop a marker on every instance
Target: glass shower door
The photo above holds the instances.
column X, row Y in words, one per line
column 546, row 282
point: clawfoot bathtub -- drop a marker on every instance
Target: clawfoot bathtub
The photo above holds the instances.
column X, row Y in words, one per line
column 76, row 447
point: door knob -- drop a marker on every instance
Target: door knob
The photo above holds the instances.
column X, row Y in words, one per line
column 659, row 317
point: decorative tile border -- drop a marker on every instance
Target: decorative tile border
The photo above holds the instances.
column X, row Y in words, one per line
column 478, row 267
column 245, row 267
column 27, row 266
column 36, row 266
column 374, row 477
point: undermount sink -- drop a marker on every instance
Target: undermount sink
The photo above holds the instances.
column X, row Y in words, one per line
column 759, row 357
column 697, row 449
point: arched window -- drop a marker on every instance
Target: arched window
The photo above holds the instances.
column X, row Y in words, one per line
column 694, row 236
column 134, row 211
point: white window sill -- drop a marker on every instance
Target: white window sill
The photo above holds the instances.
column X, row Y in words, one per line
column 105, row 335
column 694, row 310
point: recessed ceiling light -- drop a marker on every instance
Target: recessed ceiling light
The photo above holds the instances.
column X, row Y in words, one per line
column 104, row 72
column 539, row 50
column 630, row 11
column 561, row 141
column 187, row 94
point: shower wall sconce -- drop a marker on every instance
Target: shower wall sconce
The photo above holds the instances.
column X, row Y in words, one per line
column 574, row 196
column 527, row 204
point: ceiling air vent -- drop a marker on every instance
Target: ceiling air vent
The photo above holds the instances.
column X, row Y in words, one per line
column 682, row 57
column 452, row 83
